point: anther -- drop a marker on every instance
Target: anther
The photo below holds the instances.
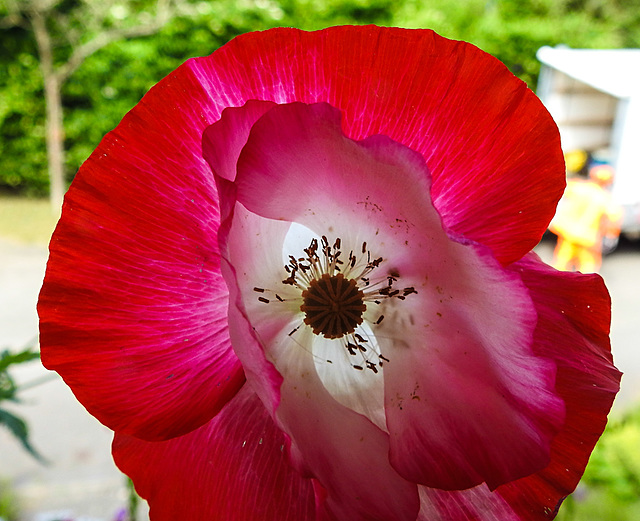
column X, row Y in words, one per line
column 290, row 280
column 293, row 331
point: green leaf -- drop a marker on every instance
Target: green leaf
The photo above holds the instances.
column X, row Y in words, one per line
column 18, row 428
column 8, row 387
column 7, row 358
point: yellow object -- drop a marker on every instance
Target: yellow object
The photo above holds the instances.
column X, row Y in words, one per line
column 575, row 160
column 586, row 213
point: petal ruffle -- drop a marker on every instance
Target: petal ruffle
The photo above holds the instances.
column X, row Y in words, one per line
column 233, row 468
column 492, row 148
column 467, row 400
column 133, row 310
column 223, row 141
column 573, row 329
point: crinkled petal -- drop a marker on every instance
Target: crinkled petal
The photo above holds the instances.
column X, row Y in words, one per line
column 233, row 468
column 573, row 329
column 133, row 310
column 467, row 400
column 492, row 148
column 223, row 141
column 574, row 313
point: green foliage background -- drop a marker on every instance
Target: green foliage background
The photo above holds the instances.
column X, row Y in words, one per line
column 610, row 487
column 22, row 147
column 113, row 79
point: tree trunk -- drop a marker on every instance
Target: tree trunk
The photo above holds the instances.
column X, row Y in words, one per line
column 54, row 118
column 55, row 141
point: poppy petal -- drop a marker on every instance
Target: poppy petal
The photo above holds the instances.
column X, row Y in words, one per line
column 232, row 468
column 573, row 330
column 133, row 310
column 468, row 401
column 574, row 313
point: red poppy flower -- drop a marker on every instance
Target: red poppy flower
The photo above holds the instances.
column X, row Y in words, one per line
column 296, row 282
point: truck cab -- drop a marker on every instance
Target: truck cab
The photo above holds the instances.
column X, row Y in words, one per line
column 594, row 97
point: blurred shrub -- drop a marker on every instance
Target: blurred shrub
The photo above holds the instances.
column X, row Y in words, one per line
column 615, row 464
column 23, row 157
column 112, row 80
column 513, row 30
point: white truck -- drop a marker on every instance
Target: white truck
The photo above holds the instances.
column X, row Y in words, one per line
column 594, row 98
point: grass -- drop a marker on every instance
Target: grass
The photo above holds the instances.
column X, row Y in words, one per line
column 26, row 220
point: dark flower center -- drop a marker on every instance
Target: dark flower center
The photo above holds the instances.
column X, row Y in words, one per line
column 333, row 306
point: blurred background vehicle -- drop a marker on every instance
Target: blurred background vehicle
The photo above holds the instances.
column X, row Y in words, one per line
column 594, row 97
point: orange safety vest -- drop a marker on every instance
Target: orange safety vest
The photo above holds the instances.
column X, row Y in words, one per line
column 585, row 213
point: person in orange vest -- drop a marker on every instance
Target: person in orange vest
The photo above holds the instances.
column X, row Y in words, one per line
column 586, row 216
